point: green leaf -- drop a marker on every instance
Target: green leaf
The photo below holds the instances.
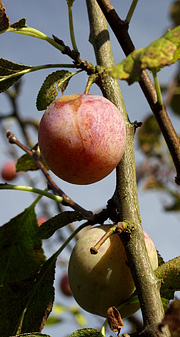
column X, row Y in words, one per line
column 4, row 20
column 19, row 24
column 25, row 301
column 21, row 254
column 47, row 229
column 169, row 275
column 10, row 72
column 88, row 332
column 158, row 54
column 27, row 163
column 48, row 92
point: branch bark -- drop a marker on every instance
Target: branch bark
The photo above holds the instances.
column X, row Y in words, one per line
column 120, row 29
column 126, row 196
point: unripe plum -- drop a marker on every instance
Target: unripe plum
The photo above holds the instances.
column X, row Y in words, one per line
column 103, row 280
column 8, row 171
column 82, row 138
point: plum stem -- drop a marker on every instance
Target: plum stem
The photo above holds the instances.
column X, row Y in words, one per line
column 65, row 199
column 94, row 249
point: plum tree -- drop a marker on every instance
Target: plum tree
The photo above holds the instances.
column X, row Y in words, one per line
column 82, row 138
column 8, row 171
column 103, row 280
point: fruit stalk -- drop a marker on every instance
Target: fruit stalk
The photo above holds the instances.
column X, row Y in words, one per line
column 126, row 189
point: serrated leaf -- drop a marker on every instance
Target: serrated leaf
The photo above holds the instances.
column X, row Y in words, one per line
column 4, row 20
column 56, row 81
column 158, row 54
column 88, row 332
column 19, row 24
column 10, row 72
column 24, row 302
column 47, row 229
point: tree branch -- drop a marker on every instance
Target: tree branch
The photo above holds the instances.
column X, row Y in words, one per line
column 120, row 29
column 126, row 190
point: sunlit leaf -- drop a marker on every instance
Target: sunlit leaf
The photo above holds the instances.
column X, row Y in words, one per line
column 4, row 20
column 158, row 54
column 53, row 82
column 88, row 332
column 169, row 274
column 10, row 72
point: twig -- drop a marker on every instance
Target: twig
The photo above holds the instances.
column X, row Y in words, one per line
column 120, row 29
column 34, row 154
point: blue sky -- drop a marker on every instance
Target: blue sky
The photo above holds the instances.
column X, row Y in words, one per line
column 150, row 21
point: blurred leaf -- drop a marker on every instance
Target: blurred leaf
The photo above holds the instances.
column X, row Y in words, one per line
column 79, row 317
column 48, row 228
column 48, row 92
column 152, row 183
column 52, row 320
column 175, row 101
column 27, row 163
column 19, row 24
column 148, row 135
column 158, row 54
column 175, row 12
column 25, row 296
column 4, row 20
column 10, row 72
column 88, row 332
column 172, row 318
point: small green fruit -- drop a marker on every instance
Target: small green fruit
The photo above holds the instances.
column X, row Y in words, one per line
column 103, row 280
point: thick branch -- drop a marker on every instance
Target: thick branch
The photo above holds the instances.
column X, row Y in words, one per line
column 120, row 29
column 126, row 191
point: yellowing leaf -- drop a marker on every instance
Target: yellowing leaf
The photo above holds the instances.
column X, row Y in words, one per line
column 158, row 54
